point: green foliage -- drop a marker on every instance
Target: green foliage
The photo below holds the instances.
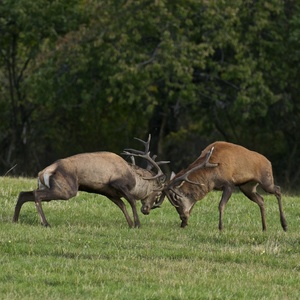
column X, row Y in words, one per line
column 88, row 75
column 89, row 252
column 26, row 27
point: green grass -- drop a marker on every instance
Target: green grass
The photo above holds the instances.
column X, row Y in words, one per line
column 90, row 253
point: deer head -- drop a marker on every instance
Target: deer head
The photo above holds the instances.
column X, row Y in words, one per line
column 159, row 178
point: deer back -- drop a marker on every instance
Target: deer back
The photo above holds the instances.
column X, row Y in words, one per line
column 93, row 170
column 236, row 165
column 96, row 171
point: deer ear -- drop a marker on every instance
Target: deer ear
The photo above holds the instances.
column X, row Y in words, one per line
column 172, row 175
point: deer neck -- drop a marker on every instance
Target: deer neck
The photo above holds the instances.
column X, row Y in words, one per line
column 143, row 187
column 192, row 191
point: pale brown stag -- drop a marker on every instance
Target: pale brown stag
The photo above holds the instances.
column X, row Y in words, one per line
column 222, row 166
column 102, row 173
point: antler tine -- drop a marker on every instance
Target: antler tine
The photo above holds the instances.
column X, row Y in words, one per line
column 129, row 151
column 163, row 162
column 146, row 144
column 146, row 154
column 148, row 157
column 173, row 201
column 204, row 164
column 159, row 201
column 149, row 165
column 160, row 162
column 132, row 160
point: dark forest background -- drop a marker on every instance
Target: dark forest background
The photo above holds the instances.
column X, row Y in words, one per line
column 79, row 76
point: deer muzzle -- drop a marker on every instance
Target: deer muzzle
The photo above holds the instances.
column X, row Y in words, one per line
column 145, row 209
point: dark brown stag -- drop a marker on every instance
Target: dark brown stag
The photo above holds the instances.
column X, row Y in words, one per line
column 222, row 166
column 102, row 173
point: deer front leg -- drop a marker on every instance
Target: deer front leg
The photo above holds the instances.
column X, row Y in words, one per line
column 184, row 210
column 183, row 217
column 128, row 196
column 122, row 206
column 227, row 192
column 184, row 221
column 132, row 203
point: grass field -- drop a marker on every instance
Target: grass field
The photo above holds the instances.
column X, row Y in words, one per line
column 90, row 253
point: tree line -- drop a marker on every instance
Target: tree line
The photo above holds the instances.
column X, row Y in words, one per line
column 84, row 75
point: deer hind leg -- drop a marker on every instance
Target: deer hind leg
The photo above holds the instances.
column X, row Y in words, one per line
column 26, row 197
column 61, row 188
column 249, row 190
column 227, row 192
column 275, row 190
column 23, row 198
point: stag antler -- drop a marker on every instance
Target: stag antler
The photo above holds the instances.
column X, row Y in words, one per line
column 204, row 164
column 183, row 178
column 146, row 155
